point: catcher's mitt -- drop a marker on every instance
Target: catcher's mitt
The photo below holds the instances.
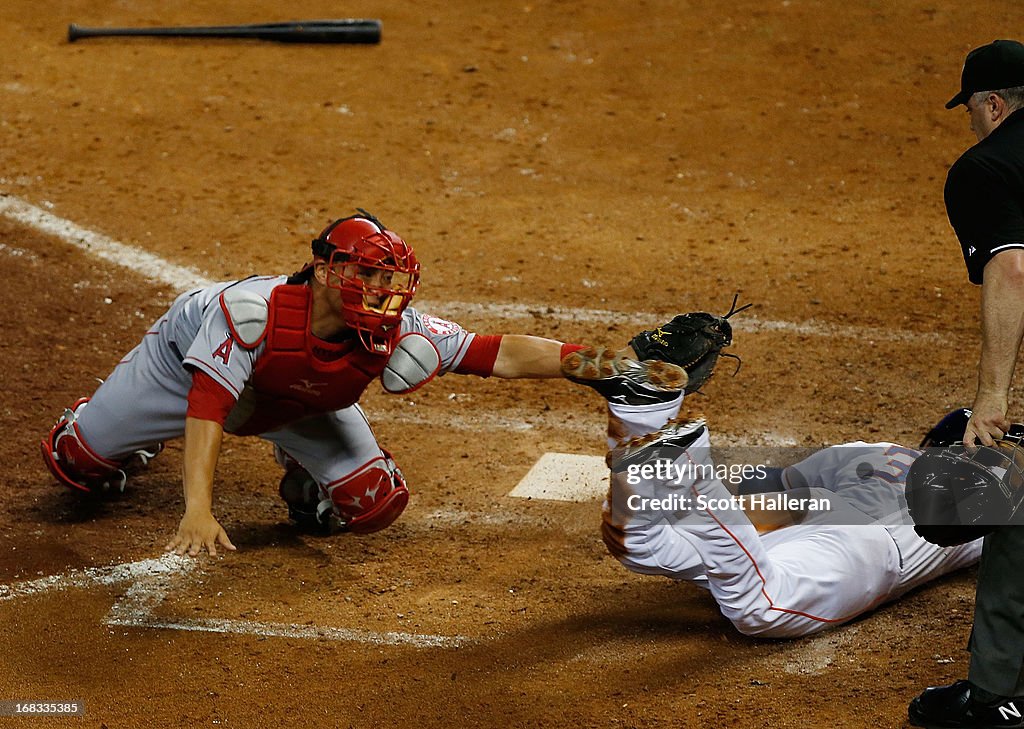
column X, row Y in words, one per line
column 693, row 341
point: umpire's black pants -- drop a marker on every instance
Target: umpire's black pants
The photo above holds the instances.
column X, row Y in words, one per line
column 997, row 640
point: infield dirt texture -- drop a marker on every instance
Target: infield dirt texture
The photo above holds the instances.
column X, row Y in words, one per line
column 574, row 169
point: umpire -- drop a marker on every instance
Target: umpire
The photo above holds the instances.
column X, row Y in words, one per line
column 985, row 203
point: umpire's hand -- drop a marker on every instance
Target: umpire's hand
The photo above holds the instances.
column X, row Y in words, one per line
column 988, row 422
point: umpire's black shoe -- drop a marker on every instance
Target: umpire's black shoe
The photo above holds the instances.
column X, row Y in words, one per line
column 623, row 380
column 954, row 707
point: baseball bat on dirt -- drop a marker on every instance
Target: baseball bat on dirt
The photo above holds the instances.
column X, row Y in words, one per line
column 296, row 31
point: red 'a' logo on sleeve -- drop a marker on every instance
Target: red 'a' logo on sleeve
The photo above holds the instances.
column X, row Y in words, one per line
column 223, row 352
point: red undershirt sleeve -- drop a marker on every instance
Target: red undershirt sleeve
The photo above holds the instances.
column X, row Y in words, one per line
column 208, row 399
column 480, row 356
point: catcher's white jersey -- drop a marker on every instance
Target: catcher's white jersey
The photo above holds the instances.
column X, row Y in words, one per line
column 857, row 551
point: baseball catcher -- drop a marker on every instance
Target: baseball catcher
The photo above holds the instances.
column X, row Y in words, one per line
column 286, row 359
column 693, row 341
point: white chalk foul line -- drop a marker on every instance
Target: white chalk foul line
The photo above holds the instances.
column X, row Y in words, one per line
column 152, row 579
column 288, row 630
column 181, row 278
column 132, row 571
column 96, row 244
column 745, row 323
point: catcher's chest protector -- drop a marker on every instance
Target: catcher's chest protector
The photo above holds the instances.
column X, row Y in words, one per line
column 290, row 380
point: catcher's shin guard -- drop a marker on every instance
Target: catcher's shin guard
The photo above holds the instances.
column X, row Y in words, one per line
column 73, row 463
column 371, row 498
column 365, row 501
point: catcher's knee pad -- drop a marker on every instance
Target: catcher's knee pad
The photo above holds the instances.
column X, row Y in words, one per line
column 72, row 462
column 371, row 498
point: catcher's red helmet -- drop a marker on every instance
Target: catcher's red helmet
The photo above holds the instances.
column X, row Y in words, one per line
column 376, row 272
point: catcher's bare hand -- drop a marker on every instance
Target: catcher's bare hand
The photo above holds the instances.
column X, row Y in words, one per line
column 198, row 529
column 988, row 422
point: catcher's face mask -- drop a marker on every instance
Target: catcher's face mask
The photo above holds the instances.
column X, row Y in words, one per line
column 376, row 273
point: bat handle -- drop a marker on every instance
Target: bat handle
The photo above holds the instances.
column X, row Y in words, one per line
column 76, row 31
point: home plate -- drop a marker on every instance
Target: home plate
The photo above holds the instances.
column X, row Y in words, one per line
column 564, row 477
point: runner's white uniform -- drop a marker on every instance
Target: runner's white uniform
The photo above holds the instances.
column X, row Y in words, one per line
column 801, row 579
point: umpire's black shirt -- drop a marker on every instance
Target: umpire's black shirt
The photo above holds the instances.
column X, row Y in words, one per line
column 985, row 195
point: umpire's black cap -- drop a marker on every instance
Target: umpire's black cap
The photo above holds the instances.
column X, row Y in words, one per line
column 999, row 65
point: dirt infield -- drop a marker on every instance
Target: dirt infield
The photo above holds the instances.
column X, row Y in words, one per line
column 567, row 169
